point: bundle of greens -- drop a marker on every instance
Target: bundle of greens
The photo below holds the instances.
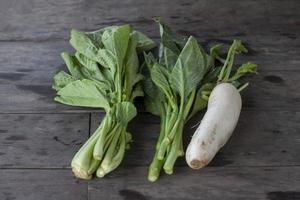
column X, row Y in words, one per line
column 178, row 85
column 103, row 73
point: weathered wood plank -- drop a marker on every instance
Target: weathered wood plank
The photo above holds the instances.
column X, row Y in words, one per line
column 26, row 74
column 41, row 141
column 27, row 69
column 41, row 19
column 273, row 90
column 234, row 183
column 262, row 138
column 41, row 184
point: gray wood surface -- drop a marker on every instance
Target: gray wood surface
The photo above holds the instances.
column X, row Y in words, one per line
column 38, row 137
column 43, row 20
column 232, row 183
column 41, row 141
column 40, row 184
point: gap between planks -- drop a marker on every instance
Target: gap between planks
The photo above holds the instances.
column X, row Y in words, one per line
column 69, row 112
column 145, row 166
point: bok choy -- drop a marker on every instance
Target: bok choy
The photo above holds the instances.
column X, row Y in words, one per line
column 103, row 73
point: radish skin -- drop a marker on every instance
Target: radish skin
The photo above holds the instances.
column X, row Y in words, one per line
column 216, row 127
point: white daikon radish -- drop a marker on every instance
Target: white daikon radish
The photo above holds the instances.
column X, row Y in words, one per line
column 216, row 127
column 223, row 110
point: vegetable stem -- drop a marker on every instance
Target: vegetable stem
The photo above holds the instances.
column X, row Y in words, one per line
column 243, row 87
column 98, row 149
column 173, row 154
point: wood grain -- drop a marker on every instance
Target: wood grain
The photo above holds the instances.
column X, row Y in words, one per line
column 262, row 138
column 18, row 184
column 41, row 141
column 234, row 183
column 42, row 19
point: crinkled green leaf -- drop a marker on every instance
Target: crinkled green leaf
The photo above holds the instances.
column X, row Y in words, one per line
column 107, row 60
column 89, row 67
column 85, row 93
column 86, row 62
column 96, row 36
column 83, row 44
column 61, row 79
column 82, row 67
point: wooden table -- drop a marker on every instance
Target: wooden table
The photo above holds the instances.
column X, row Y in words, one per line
column 38, row 137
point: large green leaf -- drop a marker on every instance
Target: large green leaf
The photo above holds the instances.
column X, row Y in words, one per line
column 116, row 41
column 85, row 93
column 189, row 68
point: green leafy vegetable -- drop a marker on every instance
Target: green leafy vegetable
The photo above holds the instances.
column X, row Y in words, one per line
column 178, row 85
column 83, row 92
column 189, row 68
column 104, row 73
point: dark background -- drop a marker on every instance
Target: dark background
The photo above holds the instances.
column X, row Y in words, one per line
column 38, row 137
